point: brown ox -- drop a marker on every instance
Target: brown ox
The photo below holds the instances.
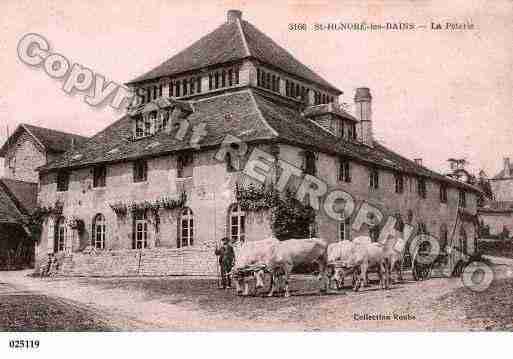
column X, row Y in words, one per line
column 252, row 253
column 293, row 252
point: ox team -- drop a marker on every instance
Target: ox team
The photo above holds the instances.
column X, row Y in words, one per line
column 335, row 261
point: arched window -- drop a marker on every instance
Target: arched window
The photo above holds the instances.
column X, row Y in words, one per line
column 186, row 229
column 237, row 224
column 60, row 235
column 98, row 233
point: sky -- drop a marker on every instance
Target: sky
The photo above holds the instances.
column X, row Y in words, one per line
column 436, row 94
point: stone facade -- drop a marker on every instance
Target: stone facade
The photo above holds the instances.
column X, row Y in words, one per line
column 210, row 195
column 22, row 159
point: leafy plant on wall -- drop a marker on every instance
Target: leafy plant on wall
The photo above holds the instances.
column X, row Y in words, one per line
column 34, row 222
column 289, row 217
column 168, row 203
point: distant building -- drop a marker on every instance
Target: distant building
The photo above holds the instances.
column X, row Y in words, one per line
column 496, row 215
column 458, row 171
column 28, row 148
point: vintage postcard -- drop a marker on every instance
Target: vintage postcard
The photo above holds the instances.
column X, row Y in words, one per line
column 256, row 166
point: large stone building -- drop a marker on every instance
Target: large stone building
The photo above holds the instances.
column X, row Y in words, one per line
column 122, row 191
column 28, row 148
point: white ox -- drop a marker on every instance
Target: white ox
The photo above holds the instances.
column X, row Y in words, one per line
column 253, row 253
column 293, row 252
column 338, row 253
column 396, row 257
column 365, row 255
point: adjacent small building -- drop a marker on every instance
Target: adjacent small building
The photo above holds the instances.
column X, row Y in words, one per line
column 496, row 216
column 28, row 148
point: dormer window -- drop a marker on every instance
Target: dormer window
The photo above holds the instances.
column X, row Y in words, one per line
column 148, row 124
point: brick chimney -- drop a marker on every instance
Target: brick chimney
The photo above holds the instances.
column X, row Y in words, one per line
column 418, row 161
column 233, row 16
column 507, row 167
column 363, row 105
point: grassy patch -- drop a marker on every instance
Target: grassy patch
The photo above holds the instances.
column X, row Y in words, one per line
column 40, row 313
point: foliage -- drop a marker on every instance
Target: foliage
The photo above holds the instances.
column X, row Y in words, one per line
column 121, row 209
column 256, row 199
column 34, row 222
column 289, row 217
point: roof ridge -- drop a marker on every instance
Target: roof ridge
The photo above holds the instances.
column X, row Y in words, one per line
column 320, row 79
column 24, row 126
column 243, row 36
column 273, row 130
column 53, row 130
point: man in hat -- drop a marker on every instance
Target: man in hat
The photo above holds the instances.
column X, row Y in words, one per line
column 226, row 258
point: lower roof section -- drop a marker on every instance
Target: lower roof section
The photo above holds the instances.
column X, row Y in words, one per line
column 248, row 114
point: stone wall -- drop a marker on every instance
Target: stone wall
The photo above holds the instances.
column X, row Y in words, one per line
column 29, row 156
column 210, row 194
column 148, row 262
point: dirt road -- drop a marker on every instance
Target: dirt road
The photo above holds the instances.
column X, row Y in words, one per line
column 178, row 303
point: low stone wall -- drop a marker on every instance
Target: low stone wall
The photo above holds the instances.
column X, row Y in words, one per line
column 147, row 262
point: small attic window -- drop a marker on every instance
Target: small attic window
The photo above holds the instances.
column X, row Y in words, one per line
column 150, row 123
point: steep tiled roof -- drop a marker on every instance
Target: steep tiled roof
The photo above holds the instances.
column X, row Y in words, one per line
column 51, row 140
column 25, row 193
column 232, row 42
column 9, row 212
column 232, row 113
column 248, row 114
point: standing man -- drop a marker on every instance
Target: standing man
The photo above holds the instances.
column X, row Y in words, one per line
column 226, row 258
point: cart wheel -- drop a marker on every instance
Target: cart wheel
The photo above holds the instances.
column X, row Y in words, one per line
column 421, row 271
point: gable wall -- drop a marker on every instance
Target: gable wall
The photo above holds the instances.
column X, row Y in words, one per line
column 29, row 155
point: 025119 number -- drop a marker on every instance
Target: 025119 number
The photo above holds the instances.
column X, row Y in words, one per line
column 24, row 344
